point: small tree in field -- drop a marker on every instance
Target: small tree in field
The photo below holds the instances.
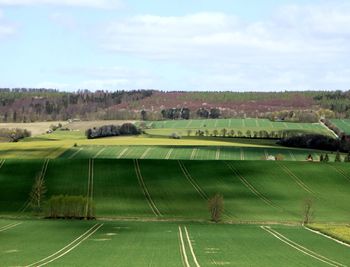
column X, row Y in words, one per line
column 216, row 207
column 321, row 158
column 308, row 211
column 38, row 193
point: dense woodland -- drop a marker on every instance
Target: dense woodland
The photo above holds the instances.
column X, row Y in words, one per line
column 30, row 105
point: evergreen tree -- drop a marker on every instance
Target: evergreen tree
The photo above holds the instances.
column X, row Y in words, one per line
column 337, row 157
column 326, row 158
column 321, row 158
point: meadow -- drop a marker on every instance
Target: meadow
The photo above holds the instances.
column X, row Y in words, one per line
column 154, row 213
column 164, row 244
column 189, row 127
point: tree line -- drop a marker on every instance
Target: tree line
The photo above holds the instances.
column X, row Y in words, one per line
column 112, row 130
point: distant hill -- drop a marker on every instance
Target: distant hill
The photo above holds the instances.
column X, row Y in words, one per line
column 30, row 105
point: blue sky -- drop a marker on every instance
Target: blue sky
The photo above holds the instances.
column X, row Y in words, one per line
column 175, row 45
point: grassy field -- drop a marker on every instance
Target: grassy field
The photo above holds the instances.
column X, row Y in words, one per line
column 181, row 127
column 253, row 191
column 62, row 243
column 343, row 125
column 244, row 152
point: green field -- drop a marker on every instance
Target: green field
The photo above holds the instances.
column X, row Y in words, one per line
column 62, row 243
column 182, row 127
column 191, row 152
column 151, row 195
column 342, row 124
column 253, row 190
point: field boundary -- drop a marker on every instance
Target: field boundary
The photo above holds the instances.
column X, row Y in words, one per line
column 9, row 226
column 60, row 253
column 145, row 190
column 301, row 248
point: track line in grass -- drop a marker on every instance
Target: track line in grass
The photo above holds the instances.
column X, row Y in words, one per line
column 191, row 248
column 300, row 248
column 217, row 155
column 122, row 153
column 168, row 154
column 257, row 123
column 326, row 236
column 145, row 153
column 192, row 181
column 295, row 178
column 197, row 187
column 229, row 123
column 266, row 154
column 145, row 190
column 183, row 249
column 292, row 155
column 193, row 154
column 242, row 153
column 252, row 188
column 340, row 171
column 60, row 253
column 42, row 177
column 90, row 187
column 2, row 162
column 9, row 226
column 99, row 152
column 75, row 153
column 188, row 124
column 243, row 123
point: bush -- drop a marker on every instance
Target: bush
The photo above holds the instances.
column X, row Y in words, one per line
column 70, row 207
column 13, row 135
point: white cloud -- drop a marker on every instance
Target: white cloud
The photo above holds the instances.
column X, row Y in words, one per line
column 72, row 3
column 298, row 47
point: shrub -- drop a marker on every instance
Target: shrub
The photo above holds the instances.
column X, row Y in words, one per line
column 70, row 207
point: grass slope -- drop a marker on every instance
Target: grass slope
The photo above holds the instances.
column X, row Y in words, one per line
column 253, row 191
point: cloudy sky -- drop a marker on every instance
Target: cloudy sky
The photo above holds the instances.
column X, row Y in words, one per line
column 175, row 45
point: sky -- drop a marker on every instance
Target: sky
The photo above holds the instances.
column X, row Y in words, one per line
column 236, row 45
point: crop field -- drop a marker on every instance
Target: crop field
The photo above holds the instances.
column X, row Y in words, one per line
column 343, row 125
column 62, row 243
column 253, row 190
column 243, row 125
column 190, row 153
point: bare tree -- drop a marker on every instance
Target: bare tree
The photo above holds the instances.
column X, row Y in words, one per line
column 38, row 193
column 216, row 207
column 308, row 212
